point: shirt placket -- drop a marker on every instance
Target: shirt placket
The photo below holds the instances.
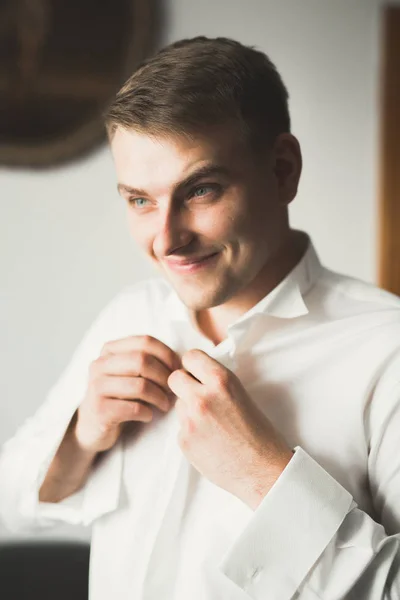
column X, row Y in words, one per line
column 162, row 566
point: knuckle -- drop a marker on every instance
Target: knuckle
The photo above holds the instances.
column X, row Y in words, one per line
column 203, row 404
column 97, row 385
column 221, row 379
column 135, row 408
column 141, row 385
column 140, row 361
column 93, row 368
column 145, row 341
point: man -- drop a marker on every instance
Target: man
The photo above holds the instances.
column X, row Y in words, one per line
column 231, row 429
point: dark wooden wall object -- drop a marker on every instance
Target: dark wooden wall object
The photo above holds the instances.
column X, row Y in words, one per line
column 60, row 65
column 389, row 201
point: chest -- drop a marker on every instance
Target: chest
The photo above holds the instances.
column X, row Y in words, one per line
column 311, row 387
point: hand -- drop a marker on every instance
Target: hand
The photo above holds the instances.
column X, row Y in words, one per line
column 126, row 381
column 223, row 433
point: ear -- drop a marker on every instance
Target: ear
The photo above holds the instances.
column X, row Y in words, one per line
column 287, row 166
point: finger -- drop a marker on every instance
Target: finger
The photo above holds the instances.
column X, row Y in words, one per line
column 134, row 388
column 201, row 366
column 182, row 384
column 136, row 364
column 120, row 411
column 144, row 343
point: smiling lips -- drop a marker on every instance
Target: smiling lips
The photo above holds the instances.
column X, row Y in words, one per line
column 191, row 264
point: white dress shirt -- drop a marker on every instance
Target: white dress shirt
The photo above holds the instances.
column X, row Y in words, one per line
column 320, row 356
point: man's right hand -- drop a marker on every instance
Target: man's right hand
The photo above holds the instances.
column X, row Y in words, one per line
column 126, row 382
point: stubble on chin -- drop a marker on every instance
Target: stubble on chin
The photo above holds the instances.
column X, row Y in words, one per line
column 202, row 296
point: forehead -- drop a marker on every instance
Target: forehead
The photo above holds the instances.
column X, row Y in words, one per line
column 143, row 160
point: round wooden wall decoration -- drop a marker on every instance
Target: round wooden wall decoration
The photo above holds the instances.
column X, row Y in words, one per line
column 61, row 62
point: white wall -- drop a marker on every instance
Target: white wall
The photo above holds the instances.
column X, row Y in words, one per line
column 65, row 250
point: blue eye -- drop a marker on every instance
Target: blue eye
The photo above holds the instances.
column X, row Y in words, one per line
column 202, row 191
column 139, row 202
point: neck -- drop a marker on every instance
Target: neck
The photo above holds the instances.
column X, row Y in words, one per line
column 214, row 322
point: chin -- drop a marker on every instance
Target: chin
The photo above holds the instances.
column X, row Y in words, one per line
column 202, row 299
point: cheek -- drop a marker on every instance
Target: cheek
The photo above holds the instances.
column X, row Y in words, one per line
column 140, row 232
column 222, row 223
column 214, row 228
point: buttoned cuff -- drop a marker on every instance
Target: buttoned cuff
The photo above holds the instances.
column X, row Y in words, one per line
column 288, row 531
column 99, row 495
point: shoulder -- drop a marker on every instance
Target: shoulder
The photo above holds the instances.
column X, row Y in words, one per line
column 358, row 312
column 355, row 294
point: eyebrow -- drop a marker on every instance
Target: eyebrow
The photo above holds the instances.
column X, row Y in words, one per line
column 190, row 180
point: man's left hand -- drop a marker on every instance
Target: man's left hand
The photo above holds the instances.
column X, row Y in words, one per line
column 223, row 433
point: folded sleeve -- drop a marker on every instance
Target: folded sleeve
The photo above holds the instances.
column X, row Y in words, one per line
column 25, row 458
column 309, row 540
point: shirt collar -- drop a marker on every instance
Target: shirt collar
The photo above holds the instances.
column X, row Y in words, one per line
column 285, row 301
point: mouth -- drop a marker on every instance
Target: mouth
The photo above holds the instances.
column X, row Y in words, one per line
column 192, row 265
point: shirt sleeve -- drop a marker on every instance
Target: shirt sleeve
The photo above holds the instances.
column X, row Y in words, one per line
column 25, row 458
column 309, row 540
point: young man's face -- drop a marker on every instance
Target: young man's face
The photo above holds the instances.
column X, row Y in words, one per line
column 205, row 211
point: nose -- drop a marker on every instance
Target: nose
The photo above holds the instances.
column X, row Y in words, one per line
column 173, row 231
